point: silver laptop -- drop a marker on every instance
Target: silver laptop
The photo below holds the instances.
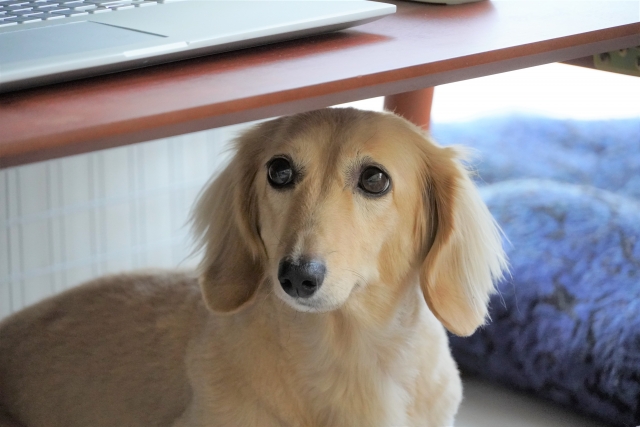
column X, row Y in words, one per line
column 47, row 41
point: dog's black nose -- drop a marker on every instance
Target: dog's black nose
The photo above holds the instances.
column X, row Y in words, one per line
column 302, row 278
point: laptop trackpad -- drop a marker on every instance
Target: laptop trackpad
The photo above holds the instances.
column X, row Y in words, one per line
column 64, row 39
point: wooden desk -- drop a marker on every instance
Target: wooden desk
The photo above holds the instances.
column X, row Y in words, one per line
column 422, row 45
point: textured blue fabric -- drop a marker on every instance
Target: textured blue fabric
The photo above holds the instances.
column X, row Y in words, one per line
column 566, row 323
column 604, row 154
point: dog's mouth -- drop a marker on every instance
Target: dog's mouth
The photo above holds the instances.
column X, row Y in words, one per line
column 324, row 300
column 308, row 305
column 312, row 306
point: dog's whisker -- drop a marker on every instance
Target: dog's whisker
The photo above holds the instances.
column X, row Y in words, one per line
column 277, row 237
column 269, row 292
column 363, row 281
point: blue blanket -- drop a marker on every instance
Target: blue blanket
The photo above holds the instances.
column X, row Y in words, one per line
column 604, row 154
column 566, row 323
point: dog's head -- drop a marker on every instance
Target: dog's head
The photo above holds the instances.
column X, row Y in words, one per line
column 343, row 208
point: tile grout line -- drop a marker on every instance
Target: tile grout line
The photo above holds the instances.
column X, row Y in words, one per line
column 133, row 207
column 20, row 242
column 9, row 251
column 62, row 228
column 142, row 212
column 49, row 189
column 93, row 243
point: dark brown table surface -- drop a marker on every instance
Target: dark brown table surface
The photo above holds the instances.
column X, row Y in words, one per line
column 421, row 45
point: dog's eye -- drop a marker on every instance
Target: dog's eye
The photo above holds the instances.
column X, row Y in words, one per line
column 374, row 181
column 280, row 172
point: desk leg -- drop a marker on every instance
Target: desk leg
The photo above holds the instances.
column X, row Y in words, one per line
column 414, row 106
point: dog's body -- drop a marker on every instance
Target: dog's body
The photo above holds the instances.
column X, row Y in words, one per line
column 353, row 344
column 266, row 366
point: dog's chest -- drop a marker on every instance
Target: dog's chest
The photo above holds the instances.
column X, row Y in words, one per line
column 373, row 405
column 363, row 394
column 301, row 380
column 354, row 391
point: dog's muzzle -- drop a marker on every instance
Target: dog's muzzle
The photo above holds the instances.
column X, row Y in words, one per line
column 302, row 278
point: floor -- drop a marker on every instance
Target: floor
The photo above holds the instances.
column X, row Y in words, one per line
column 487, row 405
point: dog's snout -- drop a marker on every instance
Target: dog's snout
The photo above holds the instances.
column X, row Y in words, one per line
column 301, row 279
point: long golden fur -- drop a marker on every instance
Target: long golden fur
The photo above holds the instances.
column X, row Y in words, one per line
column 367, row 349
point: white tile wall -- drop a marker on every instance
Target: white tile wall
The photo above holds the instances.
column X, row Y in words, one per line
column 68, row 220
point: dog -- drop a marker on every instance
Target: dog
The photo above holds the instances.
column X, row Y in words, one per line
column 337, row 247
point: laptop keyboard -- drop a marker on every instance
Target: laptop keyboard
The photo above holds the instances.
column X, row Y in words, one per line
column 18, row 12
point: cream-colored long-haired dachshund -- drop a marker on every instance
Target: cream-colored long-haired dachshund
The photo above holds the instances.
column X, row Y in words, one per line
column 336, row 244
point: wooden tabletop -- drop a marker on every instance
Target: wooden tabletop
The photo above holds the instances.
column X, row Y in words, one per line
column 421, row 45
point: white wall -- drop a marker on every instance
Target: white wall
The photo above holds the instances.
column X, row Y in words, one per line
column 68, row 220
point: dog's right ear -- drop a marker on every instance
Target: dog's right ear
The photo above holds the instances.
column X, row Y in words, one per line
column 465, row 256
column 225, row 220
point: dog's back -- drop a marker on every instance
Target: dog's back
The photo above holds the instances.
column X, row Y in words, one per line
column 119, row 340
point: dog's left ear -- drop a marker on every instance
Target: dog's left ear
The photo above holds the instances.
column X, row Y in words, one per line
column 465, row 255
column 225, row 219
